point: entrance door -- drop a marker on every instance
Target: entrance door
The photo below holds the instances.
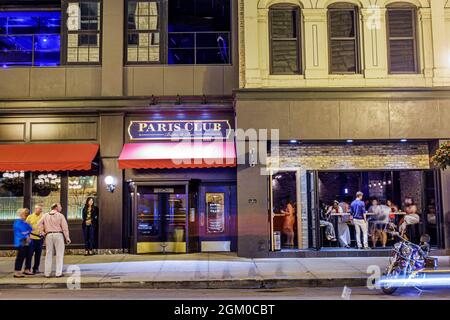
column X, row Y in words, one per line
column 160, row 218
column 217, row 230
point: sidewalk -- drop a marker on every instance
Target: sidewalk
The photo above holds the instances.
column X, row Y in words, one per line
column 202, row 271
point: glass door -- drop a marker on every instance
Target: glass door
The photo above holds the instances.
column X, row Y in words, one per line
column 285, row 220
column 160, row 215
column 432, row 213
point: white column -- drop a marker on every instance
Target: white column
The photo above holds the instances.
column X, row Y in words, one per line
column 426, row 41
column 263, row 43
column 315, row 43
column 440, row 53
column 251, row 54
column 374, row 40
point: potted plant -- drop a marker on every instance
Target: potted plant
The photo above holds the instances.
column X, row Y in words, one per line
column 441, row 157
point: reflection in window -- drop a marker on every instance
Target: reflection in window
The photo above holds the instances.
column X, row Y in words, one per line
column 83, row 31
column 284, row 39
column 30, row 38
column 199, row 32
column 143, row 31
column 46, row 190
column 343, row 33
column 11, row 194
column 80, row 188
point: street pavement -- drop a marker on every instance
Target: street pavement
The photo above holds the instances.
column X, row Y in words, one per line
column 200, row 271
column 334, row 293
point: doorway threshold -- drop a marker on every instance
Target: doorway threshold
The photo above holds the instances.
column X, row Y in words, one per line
column 330, row 253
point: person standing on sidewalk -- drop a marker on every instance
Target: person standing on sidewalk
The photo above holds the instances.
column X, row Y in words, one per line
column 358, row 212
column 36, row 241
column 90, row 222
column 22, row 232
column 56, row 231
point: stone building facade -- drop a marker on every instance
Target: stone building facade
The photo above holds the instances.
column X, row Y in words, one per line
column 368, row 118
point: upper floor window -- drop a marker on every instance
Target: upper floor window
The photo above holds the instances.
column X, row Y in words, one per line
column 199, row 32
column 402, row 39
column 30, row 38
column 195, row 31
column 144, row 30
column 284, row 39
column 343, row 38
column 83, row 31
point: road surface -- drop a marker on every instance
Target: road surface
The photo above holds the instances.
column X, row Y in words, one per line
column 360, row 293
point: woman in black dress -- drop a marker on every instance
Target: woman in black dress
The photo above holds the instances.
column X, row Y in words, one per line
column 90, row 223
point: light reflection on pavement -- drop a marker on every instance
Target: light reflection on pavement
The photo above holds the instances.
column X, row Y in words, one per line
column 359, row 293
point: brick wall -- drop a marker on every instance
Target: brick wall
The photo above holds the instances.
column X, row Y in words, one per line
column 367, row 156
column 355, row 156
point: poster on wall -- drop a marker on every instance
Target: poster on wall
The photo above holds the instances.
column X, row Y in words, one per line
column 215, row 215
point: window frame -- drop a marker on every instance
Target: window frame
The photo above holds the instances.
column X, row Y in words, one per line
column 298, row 38
column 164, row 36
column 65, row 35
column 413, row 11
column 163, row 23
column 356, row 38
column 25, row 8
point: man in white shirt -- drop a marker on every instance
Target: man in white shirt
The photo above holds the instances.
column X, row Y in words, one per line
column 56, row 230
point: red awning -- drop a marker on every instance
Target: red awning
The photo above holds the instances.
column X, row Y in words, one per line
column 168, row 155
column 47, row 157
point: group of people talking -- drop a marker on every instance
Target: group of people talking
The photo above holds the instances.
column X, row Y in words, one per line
column 375, row 219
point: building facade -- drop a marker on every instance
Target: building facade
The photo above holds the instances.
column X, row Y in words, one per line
column 359, row 93
column 99, row 89
column 92, row 94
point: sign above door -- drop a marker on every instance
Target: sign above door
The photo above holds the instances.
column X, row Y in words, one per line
column 179, row 129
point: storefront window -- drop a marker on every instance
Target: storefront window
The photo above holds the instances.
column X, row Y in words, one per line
column 46, row 190
column 396, row 201
column 80, row 188
column 284, row 210
column 11, row 194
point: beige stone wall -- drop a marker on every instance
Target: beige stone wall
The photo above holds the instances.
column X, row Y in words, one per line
column 433, row 18
column 113, row 78
column 335, row 118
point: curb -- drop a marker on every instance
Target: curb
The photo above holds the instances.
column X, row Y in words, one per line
column 200, row 284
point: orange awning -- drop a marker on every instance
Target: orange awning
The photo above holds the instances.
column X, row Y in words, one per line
column 168, row 155
column 47, row 157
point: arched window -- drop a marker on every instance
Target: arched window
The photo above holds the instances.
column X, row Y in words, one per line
column 284, row 27
column 343, row 38
column 402, row 38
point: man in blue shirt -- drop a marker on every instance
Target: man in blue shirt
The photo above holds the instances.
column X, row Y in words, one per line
column 358, row 212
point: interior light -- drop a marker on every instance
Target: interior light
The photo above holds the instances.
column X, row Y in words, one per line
column 293, row 141
column 403, row 140
column 349, row 141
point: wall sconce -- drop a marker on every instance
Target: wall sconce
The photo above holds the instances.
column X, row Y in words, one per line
column 110, row 184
